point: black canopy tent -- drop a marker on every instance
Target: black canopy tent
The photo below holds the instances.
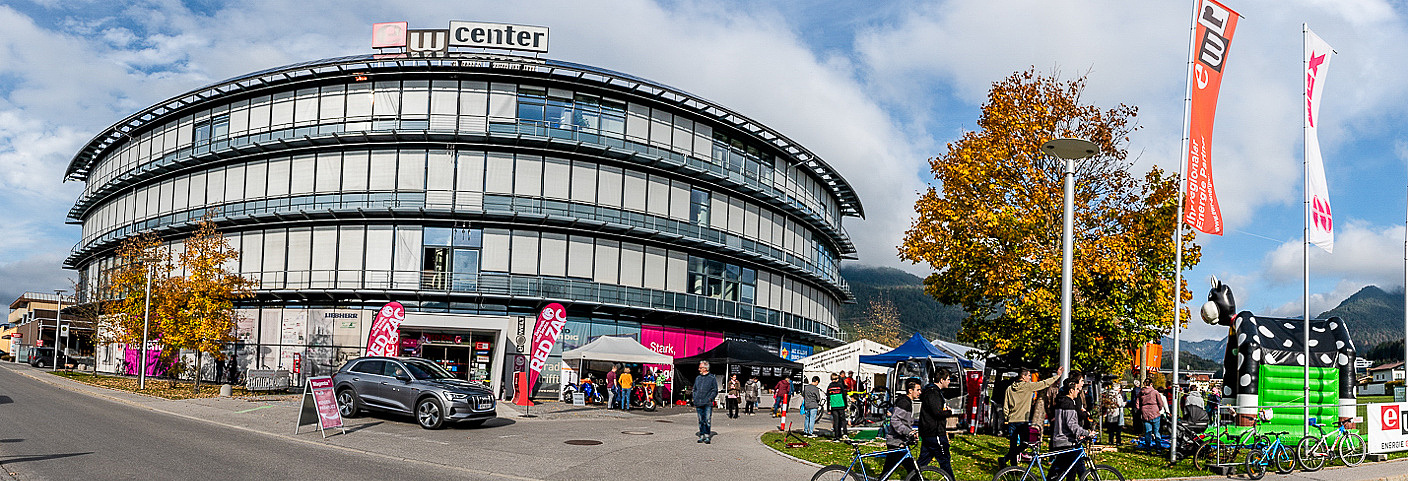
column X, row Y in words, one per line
column 737, row 357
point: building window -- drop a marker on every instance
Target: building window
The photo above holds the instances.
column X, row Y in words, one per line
column 214, row 130
column 720, row 280
column 451, row 260
column 699, row 207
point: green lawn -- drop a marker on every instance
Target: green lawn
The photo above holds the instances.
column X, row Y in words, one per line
column 975, row 457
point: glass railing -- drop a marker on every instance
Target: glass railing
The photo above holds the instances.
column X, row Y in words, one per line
column 493, row 284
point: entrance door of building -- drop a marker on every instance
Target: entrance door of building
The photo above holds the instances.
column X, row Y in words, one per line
column 453, row 358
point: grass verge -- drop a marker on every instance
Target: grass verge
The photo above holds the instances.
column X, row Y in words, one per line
column 163, row 388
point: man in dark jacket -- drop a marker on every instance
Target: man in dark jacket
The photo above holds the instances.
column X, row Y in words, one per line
column 706, row 388
column 836, row 402
column 933, row 422
column 1066, row 432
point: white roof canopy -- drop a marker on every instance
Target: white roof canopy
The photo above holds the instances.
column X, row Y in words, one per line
column 617, row 349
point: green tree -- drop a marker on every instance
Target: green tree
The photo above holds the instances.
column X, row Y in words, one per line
column 991, row 229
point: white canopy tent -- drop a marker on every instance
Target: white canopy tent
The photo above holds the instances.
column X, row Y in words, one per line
column 844, row 358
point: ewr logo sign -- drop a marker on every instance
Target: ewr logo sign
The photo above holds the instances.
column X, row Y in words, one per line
column 1389, row 417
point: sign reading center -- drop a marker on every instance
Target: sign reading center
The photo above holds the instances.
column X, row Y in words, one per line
column 460, row 34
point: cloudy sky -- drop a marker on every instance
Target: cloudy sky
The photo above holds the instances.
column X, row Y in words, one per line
column 875, row 88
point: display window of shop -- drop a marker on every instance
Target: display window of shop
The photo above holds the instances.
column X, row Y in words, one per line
column 467, row 355
column 451, row 258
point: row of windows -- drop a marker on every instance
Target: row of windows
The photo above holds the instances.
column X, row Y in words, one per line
column 445, row 176
column 392, row 257
column 445, row 105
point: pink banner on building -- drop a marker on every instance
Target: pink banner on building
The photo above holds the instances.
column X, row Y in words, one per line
column 154, row 367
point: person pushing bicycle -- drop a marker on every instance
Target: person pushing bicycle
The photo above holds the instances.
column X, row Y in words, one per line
column 1065, row 429
column 901, row 431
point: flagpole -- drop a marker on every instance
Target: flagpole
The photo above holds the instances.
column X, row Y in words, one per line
column 1178, row 223
column 1305, row 246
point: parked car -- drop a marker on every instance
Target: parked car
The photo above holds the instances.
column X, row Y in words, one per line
column 415, row 386
column 44, row 357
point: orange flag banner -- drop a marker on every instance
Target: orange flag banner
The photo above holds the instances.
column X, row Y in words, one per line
column 1213, row 37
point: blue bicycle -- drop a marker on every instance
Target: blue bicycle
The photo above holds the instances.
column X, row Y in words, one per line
column 1269, row 450
column 857, row 471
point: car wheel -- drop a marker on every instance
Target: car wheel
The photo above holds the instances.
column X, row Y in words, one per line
column 347, row 403
column 429, row 414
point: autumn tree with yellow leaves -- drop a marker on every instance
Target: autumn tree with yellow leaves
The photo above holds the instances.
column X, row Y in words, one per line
column 192, row 311
column 991, row 229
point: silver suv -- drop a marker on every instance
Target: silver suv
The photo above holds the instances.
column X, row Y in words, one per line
column 411, row 385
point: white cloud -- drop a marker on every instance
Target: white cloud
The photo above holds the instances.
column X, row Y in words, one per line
column 1363, row 254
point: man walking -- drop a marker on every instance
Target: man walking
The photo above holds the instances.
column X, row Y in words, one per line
column 706, row 388
column 811, row 405
column 1017, row 408
column 779, row 397
column 900, row 433
column 933, row 422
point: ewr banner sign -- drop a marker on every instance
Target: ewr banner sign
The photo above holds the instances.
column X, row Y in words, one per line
column 1387, row 430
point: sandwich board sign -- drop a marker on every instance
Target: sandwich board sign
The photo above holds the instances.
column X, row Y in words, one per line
column 319, row 406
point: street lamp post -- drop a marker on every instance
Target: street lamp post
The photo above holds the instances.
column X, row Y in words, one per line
column 1068, row 150
column 146, row 318
column 58, row 320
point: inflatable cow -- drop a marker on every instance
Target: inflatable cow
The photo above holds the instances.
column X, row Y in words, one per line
column 1264, row 365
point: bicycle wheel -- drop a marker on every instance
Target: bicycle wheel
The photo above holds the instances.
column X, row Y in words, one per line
column 1214, row 454
column 1014, row 473
column 1311, row 453
column 1352, row 449
column 929, row 473
column 1284, row 460
column 836, row 472
column 1103, row 472
column 1255, row 464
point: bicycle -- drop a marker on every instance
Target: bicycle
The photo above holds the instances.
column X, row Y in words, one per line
column 856, row 471
column 1313, row 451
column 1036, row 472
column 860, row 406
column 1271, row 449
column 1219, row 449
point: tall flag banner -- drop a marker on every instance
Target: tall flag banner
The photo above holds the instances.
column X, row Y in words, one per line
column 1317, row 192
column 550, row 322
column 1213, row 36
column 384, row 338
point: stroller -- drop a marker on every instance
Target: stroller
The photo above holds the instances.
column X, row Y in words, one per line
column 1190, row 432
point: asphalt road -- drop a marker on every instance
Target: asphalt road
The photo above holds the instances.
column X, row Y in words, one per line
column 49, row 433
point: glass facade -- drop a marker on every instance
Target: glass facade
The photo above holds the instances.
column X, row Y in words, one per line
column 479, row 188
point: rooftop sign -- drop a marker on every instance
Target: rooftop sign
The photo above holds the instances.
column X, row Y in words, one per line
column 436, row 43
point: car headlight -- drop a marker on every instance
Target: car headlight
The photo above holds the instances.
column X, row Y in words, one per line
column 454, row 396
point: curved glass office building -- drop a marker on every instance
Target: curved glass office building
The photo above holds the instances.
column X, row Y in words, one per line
column 474, row 189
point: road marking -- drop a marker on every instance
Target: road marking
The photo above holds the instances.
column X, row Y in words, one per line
column 254, row 409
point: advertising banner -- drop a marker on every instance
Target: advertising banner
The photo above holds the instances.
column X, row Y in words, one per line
column 1317, row 194
column 545, row 332
column 1387, row 431
column 1212, row 38
column 385, row 337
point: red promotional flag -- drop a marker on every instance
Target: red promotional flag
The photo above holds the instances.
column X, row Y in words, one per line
column 545, row 332
column 1212, row 39
column 385, row 336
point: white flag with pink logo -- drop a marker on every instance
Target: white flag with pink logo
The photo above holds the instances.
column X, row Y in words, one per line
column 1317, row 192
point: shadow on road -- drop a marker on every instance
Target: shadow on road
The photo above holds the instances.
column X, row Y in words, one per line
column 492, row 423
column 21, row 459
column 12, row 440
column 367, row 425
column 7, row 400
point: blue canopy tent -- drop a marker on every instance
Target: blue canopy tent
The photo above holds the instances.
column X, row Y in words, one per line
column 915, row 348
column 916, row 358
